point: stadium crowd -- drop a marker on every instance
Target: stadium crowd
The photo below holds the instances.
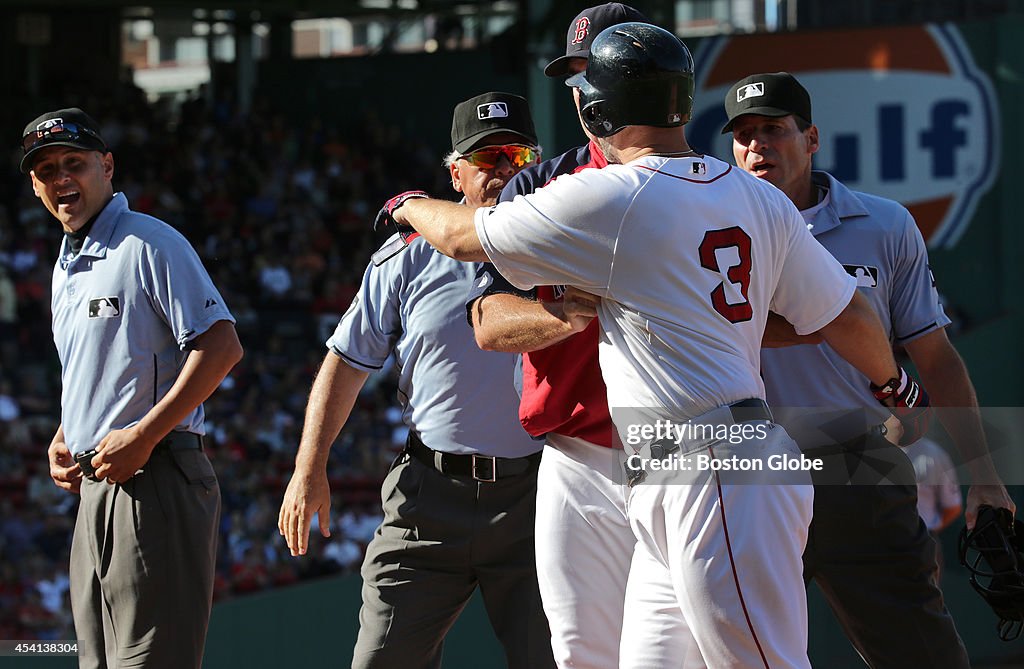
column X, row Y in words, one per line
column 280, row 214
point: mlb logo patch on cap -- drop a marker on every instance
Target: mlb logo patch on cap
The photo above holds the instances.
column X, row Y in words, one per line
column 750, row 91
column 481, row 116
column 492, row 110
column 50, row 123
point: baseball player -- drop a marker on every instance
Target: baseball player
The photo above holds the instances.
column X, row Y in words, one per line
column 870, row 553
column 686, row 254
column 583, row 541
column 143, row 338
column 459, row 501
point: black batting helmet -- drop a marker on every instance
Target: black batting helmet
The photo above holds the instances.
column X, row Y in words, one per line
column 637, row 74
column 992, row 553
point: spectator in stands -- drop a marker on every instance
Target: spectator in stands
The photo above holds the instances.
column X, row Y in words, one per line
column 8, row 318
column 10, row 410
column 939, row 501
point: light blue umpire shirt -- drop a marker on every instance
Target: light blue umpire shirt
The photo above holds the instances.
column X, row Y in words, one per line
column 879, row 244
column 458, row 398
column 124, row 311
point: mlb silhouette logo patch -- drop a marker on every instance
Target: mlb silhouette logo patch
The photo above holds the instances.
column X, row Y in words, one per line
column 492, row 110
column 866, row 275
column 105, row 307
column 54, row 124
column 750, row 91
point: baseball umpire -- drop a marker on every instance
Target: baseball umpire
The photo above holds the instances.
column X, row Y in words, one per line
column 682, row 327
column 459, row 501
column 869, row 551
column 581, row 504
column 143, row 338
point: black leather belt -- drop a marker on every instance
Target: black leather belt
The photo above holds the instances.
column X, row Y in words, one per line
column 180, row 441
column 175, row 441
column 483, row 468
column 874, row 435
column 745, row 411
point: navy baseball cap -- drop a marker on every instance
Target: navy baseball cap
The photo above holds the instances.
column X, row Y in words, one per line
column 490, row 114
column 64, row 127
column 774, row 94
column 585, row 27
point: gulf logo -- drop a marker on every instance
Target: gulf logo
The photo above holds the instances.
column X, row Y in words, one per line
column 903, row 112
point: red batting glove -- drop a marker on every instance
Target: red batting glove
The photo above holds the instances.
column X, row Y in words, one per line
column 385, row 217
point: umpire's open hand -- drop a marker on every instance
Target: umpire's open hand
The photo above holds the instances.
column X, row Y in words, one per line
column 121, row 454
column 307, row 494
column 64, row 471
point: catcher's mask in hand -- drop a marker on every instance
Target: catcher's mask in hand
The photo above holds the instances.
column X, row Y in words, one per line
column 992, row 553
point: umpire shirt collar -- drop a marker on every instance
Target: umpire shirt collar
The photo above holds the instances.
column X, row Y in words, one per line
column 98, row 239
column 843, row 204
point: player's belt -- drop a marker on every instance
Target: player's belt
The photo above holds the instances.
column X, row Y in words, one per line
column 484, row 468
column 752, row 409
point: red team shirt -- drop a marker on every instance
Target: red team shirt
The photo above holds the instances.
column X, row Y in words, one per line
column 562, row 387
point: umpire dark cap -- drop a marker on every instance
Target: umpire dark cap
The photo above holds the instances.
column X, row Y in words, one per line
column 489, row 114
column 64, row 127
column 776, row 94
column 585, row 27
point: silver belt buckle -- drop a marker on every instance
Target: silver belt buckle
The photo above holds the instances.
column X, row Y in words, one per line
column 476, row 460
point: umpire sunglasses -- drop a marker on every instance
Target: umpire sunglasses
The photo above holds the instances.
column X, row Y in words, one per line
column 488, row 157
column 60, row 132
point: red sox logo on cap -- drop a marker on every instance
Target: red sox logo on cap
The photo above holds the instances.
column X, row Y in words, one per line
column 582, row 28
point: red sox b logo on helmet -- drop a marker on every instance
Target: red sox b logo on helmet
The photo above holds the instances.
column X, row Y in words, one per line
column 582, row 28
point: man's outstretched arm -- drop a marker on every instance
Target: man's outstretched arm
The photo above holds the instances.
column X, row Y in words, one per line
column 447, row 226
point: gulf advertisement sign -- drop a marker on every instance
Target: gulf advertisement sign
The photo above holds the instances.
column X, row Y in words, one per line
column 903, row 112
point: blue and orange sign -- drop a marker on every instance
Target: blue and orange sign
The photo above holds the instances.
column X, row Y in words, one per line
column 903, row 112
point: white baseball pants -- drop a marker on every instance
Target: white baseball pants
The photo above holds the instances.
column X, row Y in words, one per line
column 584, row 545
column 716, row 578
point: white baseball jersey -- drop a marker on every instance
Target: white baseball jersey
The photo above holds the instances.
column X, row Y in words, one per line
column 689, row 255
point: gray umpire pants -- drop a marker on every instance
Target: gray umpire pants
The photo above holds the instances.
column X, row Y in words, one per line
column 875, row 562
column 441, row 537
column 142, row 564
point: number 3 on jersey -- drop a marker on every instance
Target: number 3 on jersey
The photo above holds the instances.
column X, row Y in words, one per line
column 738, row 274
